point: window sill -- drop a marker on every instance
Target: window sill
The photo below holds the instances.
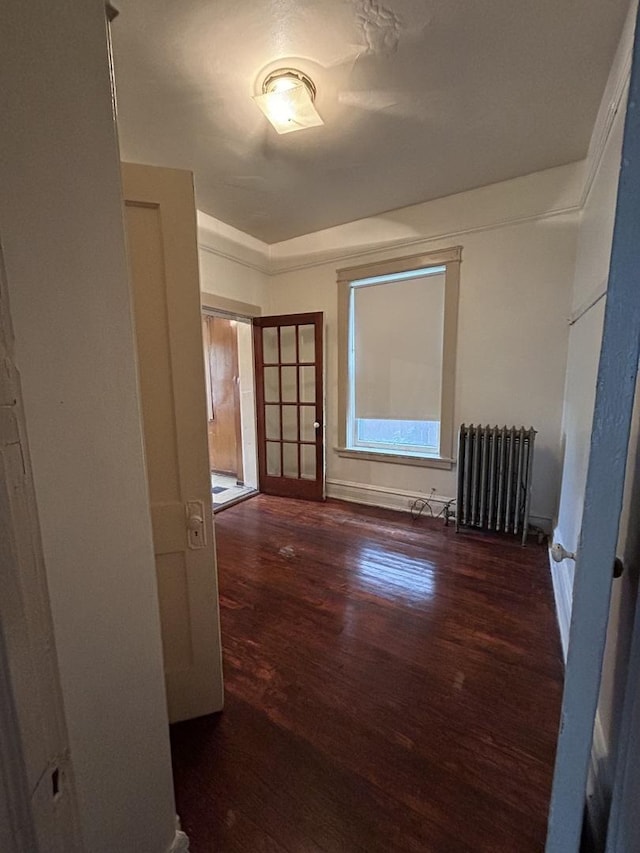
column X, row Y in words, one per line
column 395, row 458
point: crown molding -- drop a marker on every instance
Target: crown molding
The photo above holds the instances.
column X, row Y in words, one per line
column 262, row 266
column 612, row 98
column 271, row 267
column 338, row 256
column 602, row 130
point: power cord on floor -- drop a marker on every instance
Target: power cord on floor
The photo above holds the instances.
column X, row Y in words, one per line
column 421, row 505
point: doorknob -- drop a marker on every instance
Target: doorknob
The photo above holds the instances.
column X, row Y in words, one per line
column 195, row 524
column 316, row 424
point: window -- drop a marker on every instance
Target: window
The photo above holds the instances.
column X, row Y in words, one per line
column 397, row 359
column 392, row 434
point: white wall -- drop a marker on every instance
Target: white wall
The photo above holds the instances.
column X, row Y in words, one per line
column 62, row 231
column 518, row 257
column 592, row 266
column 232, row 264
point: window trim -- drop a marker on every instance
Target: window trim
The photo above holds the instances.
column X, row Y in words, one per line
column 450, row 258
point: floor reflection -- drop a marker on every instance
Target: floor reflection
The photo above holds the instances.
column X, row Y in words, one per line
column 395, row 575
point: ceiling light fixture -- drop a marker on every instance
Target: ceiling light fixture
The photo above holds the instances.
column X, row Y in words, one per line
column 287, row 100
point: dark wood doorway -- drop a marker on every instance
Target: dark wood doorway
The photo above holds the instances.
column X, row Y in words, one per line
column 290, row 403
column 223, row 395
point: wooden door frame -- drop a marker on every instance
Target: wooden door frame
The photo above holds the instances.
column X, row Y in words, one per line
column 211, row 315
column 243, row 312
column 307, row 489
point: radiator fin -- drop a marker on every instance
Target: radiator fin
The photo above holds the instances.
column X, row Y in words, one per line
column 494, row 478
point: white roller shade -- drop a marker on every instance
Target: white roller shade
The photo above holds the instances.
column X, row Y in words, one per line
column 397, row 348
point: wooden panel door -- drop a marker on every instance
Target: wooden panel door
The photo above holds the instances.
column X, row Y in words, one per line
column 225, row 431
column 289, row 401
column 163, row 259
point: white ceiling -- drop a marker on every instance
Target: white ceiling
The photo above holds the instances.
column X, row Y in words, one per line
column 421, row 98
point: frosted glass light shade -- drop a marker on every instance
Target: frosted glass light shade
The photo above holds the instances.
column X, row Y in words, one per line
column 289, row 107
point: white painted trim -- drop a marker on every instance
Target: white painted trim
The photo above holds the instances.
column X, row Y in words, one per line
column 598, row 785
column 407, row 263
column 180, row 843
column 614, row 93
column 398, row 499
column 214, row 304
column 381, row 496
column 602, row 130
column 270, row 266
column 561, row 574
column 236, row 257
column 341, row 255
column 416, row 461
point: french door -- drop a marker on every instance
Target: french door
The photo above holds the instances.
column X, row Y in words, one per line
column 289, row 401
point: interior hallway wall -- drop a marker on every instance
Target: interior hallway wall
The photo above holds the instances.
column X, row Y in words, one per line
column 61, row 225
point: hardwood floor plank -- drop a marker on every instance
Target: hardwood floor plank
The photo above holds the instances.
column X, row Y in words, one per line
column 391, row 686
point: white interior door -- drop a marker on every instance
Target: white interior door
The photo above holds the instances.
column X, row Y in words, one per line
column 38, row 809
column 603, row 496
column 163, row 257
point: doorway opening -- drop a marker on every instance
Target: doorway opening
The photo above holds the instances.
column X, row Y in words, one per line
column 231, row 407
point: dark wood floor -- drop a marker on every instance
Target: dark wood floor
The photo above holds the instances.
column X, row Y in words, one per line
column 391, row 686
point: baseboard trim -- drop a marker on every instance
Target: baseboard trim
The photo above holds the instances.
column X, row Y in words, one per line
column 562, row 592
column 399, row 499
column 180, row 842
column 381, row 496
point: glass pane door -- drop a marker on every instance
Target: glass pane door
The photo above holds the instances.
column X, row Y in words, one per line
column 289, row 397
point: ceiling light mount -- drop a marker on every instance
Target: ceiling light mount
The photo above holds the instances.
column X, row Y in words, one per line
column 287, row 100
column 286, row 78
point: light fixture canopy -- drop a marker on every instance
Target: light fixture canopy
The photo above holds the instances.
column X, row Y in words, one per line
column 287, row 100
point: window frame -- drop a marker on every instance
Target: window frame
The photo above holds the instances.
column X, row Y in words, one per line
column 449, row 258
